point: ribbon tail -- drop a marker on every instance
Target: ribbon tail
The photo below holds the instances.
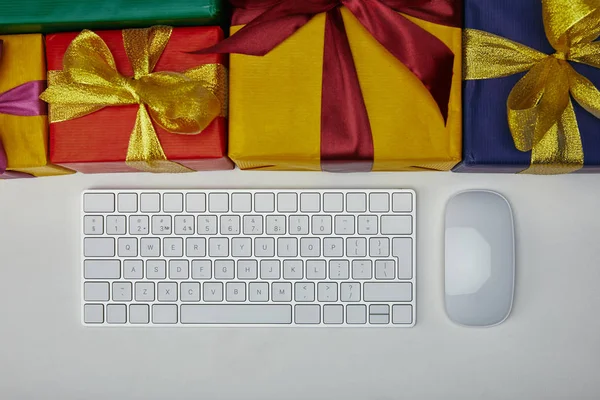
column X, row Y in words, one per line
column 443, row 12
column 345, row 128
column 145, row 152
column 426, row 56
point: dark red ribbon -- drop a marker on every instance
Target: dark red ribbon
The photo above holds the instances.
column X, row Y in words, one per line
column 346, row 136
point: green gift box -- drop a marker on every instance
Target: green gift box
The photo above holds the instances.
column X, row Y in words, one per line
column 44, row 16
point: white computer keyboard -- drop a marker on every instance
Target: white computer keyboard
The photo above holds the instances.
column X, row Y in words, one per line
column 249, row 258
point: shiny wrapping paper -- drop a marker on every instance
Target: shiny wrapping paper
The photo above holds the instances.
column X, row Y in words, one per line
column 24, row 138
column 98, row 142
column 275, row 104
column 25, row 16
column 487, row 142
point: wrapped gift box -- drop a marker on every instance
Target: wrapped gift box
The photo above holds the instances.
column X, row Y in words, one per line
column 487, row 142
column 276, row 107
column 23, row 120
column 34, row 16
column 98, row 142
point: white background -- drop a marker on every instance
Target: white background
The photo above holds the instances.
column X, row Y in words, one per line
column 549, row 348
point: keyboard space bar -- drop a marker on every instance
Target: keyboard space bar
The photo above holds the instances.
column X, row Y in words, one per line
column 236, row 314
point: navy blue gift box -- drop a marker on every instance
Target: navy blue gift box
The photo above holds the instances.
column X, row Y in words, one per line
column 487, row 142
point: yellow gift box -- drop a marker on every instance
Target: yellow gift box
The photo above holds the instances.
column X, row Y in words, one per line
column 24, row 138
column 275, row 103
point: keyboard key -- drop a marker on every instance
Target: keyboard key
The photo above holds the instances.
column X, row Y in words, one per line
column 236, row 314
column 385, row 269
column 287, row 202
column 116, row 225
column 310, row 247
column 253, row 225
column 333, row 314
column 224, row 269
column 93, row 313
column 150, row 247
column 379, row 319
column 121, row 291
column 333, row 202
column 144, row 291
column 150, row 202
column 402, row 314
column 190, row 291
column 173, row 247
column 241, row 202
column 379, row 309
column 218, row 202
column 367, row 225
column 133, row 269
column 93, row 225
column 275, row 225
column 304, row 291
column 356, row 247
column 139, row 225
column 350, row 292
column 178, row 269
column 156, row 269
column 402, row 202
column 356, row 314
column 207, row 225
column 387, row 291
column 161, row 225
column 128, row 247
column 99, row 247
column 230, row 225
column 258, row 291
column 116, row 313
column 213, row 291
column 356, row 202
column 379, row 247
column 167, row 291
column 287, row 247
column 236, row 291
column 307, row 314
column 396, row 225
column 333, row 247
column 402, row 248
column 264, row 202
column 339, row 269
column 327, row 291
column 201, row 269
column 362, row 269
column 173, row 202
column 195, row 202
column 184, row 225
column 218, row 247
column 99, row 202
column 127, row 202
column 270, row 269
column 316, row 269
column 102, row 269
column 310, row 202
column 264, row 247
column 321, row 224
column 241, row 247
column 164, row 313
column 139, row 314
column 344, row 225
column 292, row 269
column 247, row 269
column 379, row 202
column 195, row 247
column 299, row 225
column 95, row 291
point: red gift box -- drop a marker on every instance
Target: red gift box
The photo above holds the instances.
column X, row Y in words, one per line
column 98, row 142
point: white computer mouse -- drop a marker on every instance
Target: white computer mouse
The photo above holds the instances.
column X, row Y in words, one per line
column 479, row 258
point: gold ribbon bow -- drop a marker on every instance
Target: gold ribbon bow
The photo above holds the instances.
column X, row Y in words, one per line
column 540, row 112
column 182, row 103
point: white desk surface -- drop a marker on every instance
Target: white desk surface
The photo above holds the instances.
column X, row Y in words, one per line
column 549, row 348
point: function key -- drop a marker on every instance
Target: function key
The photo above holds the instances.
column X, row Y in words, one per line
column 287, row 202
column 218, row 202
column 127, row 202
column 402, row 202
column 310, row 202
column 356, row 202
column 333, row 202
column 241, row 202
column 264, row 202
column 173, row 202
column 379, row 202
column 196, row 202
column 99, row 202
column 150, row 202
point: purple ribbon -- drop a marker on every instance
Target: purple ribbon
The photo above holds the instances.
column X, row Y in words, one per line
column 24, row 101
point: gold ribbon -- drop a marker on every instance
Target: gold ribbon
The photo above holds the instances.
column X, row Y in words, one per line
column 540, row 111
column 182, row 103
